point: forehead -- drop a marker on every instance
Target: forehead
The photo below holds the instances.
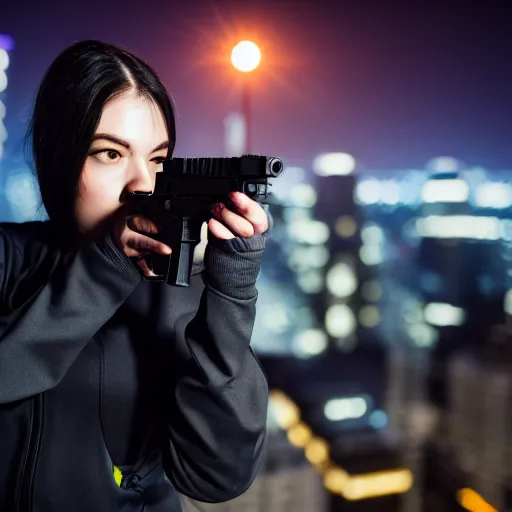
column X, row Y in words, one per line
column 134, row 118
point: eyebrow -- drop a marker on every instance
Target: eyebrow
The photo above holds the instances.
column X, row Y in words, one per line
column 121, row 142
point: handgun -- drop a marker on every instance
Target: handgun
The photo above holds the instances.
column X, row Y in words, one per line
column 181, row 202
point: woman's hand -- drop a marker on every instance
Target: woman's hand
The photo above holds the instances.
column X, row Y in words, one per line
column 129, row 237
column 249, row 219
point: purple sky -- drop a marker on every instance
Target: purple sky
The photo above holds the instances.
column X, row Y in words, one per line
column 393, row 86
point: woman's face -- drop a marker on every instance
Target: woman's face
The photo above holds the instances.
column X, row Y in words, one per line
column 126, row 153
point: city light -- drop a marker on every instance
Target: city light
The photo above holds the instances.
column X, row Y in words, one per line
column 286, row 412
column 493, row 195
column 422, row 334
column 390, row 192
column 378, row 484
column 311, row 281
column 303, row 258
column 303, row 195
column 309, row 231
column 378, row 419
column 334, row 164
column 445, row 191
column 345, row 408
column 246, row 56
column 6, row 44
column 369, row 316
column 345, row 226
column 507, row 302
column 4, row 59
column 459, row 226
column 317, row 451
column 443, row 315
column 276, row 318
column 310, row 343
column 341, row 280
column 336, row 479
column 472, row 501
column 372, row 234
column 299, row 435
column 368, row 191
column 3, row 80
column 371, row 254
column 340, row 321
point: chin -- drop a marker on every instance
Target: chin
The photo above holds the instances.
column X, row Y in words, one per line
column 97, row 231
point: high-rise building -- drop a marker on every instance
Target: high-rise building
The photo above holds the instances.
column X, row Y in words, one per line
column 479, row 424
column 6, row 46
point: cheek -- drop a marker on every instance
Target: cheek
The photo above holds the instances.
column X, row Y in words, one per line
column 98, row 196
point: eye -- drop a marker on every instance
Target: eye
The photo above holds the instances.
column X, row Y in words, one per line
column 107, row 156
column 111, row 154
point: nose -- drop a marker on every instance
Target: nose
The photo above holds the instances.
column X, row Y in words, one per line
column 140, row 178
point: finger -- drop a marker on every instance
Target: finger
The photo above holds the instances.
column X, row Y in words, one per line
column 219, row 230
column 141, row 244
column 250, row 210
column 142, row 263
column 142, row 224
column 234, row 222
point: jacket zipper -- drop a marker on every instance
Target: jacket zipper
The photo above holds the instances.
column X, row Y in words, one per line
column 26, row 489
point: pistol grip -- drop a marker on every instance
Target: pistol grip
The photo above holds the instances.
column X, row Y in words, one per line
column 180, row 264
column 181, row 235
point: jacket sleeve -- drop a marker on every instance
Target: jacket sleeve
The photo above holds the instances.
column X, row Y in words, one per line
column 52, row 302
column 218, row 418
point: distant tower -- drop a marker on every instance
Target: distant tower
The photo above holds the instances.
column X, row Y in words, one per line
column 235, row 134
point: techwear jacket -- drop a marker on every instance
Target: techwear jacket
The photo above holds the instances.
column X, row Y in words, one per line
column 116, row 392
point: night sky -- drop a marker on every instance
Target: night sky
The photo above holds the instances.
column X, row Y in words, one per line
column 394, row 86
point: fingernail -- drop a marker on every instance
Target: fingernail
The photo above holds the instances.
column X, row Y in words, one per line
column 237, row 197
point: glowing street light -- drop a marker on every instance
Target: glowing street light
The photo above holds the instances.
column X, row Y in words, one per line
column 246, row 57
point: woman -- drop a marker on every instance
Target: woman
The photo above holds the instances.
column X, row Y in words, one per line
column 115, row 392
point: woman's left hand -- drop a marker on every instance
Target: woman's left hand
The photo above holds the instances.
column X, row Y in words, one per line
column 249, row 219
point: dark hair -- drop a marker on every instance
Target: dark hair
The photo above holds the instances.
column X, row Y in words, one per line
column 68, row 107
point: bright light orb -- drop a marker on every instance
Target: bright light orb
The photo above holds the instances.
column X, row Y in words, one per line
column 246, row 56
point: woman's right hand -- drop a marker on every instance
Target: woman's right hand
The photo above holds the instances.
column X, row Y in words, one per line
column 129, row 237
